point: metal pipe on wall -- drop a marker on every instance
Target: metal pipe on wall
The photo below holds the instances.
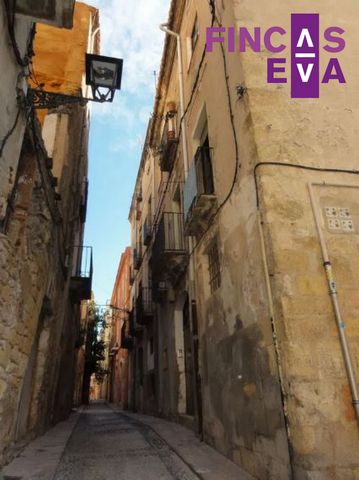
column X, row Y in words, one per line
column 164, row 28
column 334, row 296
column 275, row 336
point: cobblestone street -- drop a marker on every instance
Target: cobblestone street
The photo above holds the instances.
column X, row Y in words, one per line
column 109, row 445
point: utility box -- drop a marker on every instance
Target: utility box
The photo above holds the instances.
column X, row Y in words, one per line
column 58, row 13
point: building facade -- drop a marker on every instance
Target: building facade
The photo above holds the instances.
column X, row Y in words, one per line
column 121, row 341
column 242, row 194
column 45, row 270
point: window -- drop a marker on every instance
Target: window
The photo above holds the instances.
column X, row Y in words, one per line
column 151, row 346
column 207, row 172
column 214, row 267
column 194, row 34
column 192, row 41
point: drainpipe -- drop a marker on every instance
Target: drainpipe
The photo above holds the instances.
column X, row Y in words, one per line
column 164, row 28
column 191, row 286
column 275, row 338
column 334, row 296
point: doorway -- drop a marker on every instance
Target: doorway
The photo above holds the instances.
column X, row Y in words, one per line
column 188, row 359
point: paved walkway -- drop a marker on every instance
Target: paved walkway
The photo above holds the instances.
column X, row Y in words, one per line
column 106, row 444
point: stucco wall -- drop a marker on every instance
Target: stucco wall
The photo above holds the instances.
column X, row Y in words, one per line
column 10, row 81
column 275, row 394
column 323, row 133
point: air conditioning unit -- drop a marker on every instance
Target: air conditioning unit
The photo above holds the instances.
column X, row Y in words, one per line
column 58, row 13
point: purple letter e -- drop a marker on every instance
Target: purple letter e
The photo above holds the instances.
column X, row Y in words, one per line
column 272, row 69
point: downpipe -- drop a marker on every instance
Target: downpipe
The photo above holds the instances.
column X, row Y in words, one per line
column 334, row 297
column 275, row 340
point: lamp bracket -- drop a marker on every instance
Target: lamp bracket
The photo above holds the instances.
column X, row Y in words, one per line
column 39, row 99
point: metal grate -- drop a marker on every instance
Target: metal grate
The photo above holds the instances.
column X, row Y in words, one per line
column 214, row 267
column 83, row 263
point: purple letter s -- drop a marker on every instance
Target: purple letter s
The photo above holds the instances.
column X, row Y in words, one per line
column 333, row 39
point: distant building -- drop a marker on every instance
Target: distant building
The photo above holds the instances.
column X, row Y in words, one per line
column 45, row 271
column 235, row 332
column 121, row 341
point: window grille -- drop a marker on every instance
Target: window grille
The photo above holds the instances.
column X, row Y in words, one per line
column 214, row 267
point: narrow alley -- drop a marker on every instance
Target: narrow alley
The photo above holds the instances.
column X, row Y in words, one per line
column 104, row 444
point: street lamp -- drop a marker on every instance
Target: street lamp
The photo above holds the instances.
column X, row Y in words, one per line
column 103, row 74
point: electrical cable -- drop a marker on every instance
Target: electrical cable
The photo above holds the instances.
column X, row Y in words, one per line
column 9, row 133
column 56, row 218
column 237, row 163
column 234, row 132
column 198, row 72
column 10, row 14
column 299, row 166
column 211, row 3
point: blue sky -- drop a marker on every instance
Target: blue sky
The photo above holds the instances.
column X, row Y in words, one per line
column 129, row 30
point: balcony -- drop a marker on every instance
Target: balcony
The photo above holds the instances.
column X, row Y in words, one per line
column 126, row 337
column 200, row 200
column 147, row 231
column 169, row 253
column 168, row 146
column 144, row 306
column 81, row 275
column 137, row 258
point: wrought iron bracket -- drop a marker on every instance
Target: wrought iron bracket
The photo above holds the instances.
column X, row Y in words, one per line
column 40, row 99
column 37, row 98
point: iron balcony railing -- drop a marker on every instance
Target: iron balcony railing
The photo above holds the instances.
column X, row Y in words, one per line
column 82, row 272
column 199, row 180
column 126, row 337
column 147, row 230
column 144, row 306
column 168, row 146
column 169, row 252
column 169, row 235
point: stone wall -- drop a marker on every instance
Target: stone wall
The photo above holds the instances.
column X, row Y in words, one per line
column 40, row 326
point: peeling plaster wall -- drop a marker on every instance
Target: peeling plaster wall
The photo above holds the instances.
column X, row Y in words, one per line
column 280, row 410
column 323, row 133
column 10, row 80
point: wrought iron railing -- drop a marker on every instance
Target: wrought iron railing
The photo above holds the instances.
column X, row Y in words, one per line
column 144, row 305
column 81, row 274
column 169, row 234
column 168, row 146
column 83, row 262
column 147, row 230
